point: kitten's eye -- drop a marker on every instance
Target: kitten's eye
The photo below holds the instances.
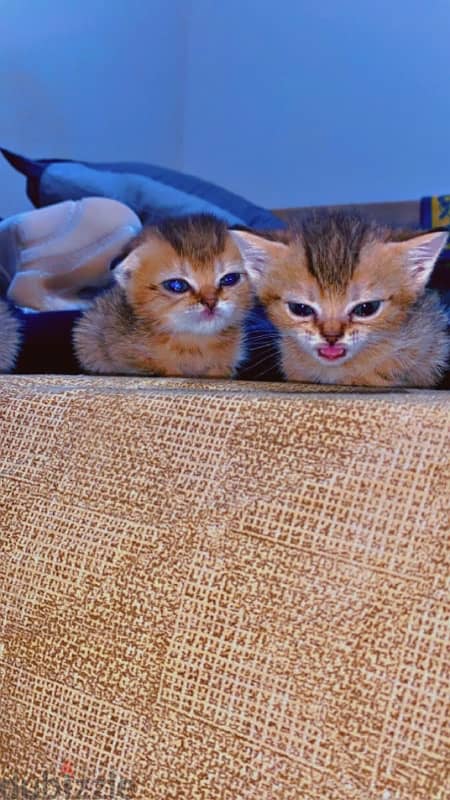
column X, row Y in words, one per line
column 176, row 285
column 366, row 309
column 230, row 279
column 301, row 309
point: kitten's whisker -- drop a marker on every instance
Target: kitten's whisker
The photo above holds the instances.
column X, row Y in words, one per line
column 261, row 373
column 260, row 338
column 268, row 357
column 264, row 372
column 259, row 347
column 262, row 329
column 261, row 332
column 252, row 345
column 260, row 335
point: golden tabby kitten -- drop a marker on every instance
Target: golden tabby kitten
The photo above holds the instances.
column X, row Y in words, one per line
column 177, row 308
column 9, row 338
column 349, row 300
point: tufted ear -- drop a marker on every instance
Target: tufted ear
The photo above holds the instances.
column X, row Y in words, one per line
column 148, row 245
column 421, row 254
column 257, row 252
column 123, row 271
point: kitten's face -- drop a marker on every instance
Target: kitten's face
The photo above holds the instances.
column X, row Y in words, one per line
column 332, row 323
column 332, row 319
column 182, row 295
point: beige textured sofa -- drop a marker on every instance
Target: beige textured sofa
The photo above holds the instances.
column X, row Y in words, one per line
column 223, row 590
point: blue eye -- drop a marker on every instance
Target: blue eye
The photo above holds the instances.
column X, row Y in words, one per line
column 301, row 309
column 176, row 285
column 366, row 309
column 230, row 279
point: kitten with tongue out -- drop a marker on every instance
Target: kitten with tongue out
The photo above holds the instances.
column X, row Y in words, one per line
column 350, row 302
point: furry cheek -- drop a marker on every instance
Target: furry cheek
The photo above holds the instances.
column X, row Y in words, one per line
column 157, row 308
column 305, row 333
column 371, row 331
column 277, row 313
column 226, row 308
column 307, row 336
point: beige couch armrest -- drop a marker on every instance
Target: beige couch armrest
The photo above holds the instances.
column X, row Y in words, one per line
column 223, row 590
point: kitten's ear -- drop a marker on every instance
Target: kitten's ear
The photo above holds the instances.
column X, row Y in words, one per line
column 257, row 252
column 124, row 270
column 421, row 253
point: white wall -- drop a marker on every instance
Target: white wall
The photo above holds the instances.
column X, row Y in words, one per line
column 91, row 79
column 288, row 102
column 299, row 102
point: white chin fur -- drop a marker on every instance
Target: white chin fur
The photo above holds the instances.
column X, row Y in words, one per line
column 194, row 322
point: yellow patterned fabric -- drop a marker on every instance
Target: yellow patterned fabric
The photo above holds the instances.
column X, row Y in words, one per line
column 440, row 216
column 223, row 590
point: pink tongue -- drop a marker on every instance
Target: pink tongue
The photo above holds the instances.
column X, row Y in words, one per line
column 332, row 351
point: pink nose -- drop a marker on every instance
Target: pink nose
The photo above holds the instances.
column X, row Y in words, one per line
column 331, row 339
column 209, row 302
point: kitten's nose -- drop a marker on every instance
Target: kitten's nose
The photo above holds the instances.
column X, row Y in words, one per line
column 331, row 331
column 210, row 301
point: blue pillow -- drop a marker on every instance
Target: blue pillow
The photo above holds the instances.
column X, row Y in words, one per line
column 152, row 192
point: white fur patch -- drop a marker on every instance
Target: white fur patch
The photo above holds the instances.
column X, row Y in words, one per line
column 194, row 321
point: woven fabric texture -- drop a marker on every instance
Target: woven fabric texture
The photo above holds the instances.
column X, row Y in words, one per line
column 223, row 590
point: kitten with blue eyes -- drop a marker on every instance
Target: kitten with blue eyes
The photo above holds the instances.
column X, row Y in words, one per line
column 349, row 300
column 177, row 308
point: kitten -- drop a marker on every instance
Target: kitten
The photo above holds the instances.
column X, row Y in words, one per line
column 178, row 306
column 9, row 338
column 349, row 300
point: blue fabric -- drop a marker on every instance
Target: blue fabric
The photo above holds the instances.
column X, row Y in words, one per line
column 152, row 192
column 46, row 345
